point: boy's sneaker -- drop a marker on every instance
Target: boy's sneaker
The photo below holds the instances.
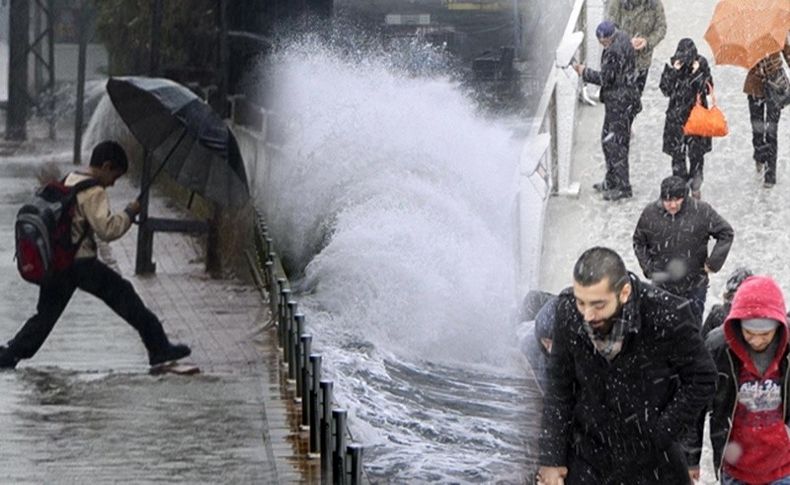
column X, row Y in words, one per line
column 171, row 352
column 7, row 361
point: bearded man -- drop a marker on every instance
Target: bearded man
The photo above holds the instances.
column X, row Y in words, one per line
column 628, row 375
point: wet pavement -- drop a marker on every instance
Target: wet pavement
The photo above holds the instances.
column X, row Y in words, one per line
column 86, row 409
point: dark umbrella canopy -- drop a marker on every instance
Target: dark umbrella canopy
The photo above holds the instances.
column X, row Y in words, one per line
column 183, row 134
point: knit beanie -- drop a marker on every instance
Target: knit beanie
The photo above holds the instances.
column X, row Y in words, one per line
column 605, row 29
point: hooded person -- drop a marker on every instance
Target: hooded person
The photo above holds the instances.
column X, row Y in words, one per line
column 537, row 341
column 749, row 431
column 718, row 312
column 685, row 78
column 671, row 243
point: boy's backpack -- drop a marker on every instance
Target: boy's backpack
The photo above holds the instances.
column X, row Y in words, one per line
column 43, row 231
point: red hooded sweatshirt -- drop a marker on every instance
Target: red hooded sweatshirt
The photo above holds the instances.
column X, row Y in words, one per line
column 758, row 449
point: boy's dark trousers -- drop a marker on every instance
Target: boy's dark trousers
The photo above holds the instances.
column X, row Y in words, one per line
column 96, row 278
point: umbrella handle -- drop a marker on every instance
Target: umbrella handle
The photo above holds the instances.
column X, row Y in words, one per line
column 150, row 181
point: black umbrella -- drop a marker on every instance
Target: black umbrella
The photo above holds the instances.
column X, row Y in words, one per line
column 183, row 135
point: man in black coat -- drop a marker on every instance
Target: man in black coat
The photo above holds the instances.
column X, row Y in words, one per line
column 671, row 243
column 628, row 375
column 621, row 98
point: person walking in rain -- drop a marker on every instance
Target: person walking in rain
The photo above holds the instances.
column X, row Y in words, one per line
column 628, row 376
column 764, row 114
column 620, row 96
column 671, row 243
column 686, row 77
column 749, row 428
column 93, row 218
column 646, row 23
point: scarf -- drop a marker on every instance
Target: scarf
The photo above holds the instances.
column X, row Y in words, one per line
column 608, row 345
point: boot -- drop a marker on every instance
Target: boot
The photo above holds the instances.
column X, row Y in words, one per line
column 599, row 186
column 170, row 352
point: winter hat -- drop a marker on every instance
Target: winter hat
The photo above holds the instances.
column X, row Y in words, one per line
column 605, row 29
column 758, row 297
column 735, row 280
column 759, row 324
column 673, row 187
column 686, row 52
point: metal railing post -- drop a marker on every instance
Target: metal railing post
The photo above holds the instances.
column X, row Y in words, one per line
column 315, row 416
column 355, row 464
column 289, row 342
column 282, row 316
column 276, row 300
column 326, row 429
column 307, row 385
column 339, row 418
column 297, row 357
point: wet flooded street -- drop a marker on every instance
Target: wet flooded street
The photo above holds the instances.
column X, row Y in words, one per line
column 70, row 426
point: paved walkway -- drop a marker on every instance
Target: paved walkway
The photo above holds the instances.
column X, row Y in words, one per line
column 85, row 409
column 759, row 216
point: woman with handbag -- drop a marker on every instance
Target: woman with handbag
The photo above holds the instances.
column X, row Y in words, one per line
column 685, row 79
column 765, row 112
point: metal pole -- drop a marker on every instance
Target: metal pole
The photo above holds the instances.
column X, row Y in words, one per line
column 269, row 243
column 18, row 99
column 339, row 417
column 81, row 63
column 277, row 307
column 224, row 59
column 516, row 29
column 326, row 429
column 290, row 341
column 267, row 275
column 355, row 458
column 156, row 36
column 298, row 359
column 285, row 295
column 38, row 75
column 307, row 385
column 145, row 237
column 51, row 66
column 315, row 418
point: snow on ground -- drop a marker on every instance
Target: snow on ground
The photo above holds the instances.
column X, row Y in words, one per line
column 759, row 216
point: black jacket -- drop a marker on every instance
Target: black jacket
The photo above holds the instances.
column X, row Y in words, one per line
column 617, row 76
column 723, row 405
column 660, row 238
column 626, row 416
column 682, row 87
column 716, row 316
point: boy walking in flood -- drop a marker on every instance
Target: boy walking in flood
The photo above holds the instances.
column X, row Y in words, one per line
column 93, row 218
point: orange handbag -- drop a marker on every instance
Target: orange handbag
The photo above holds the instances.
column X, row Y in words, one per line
column 708, row 122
